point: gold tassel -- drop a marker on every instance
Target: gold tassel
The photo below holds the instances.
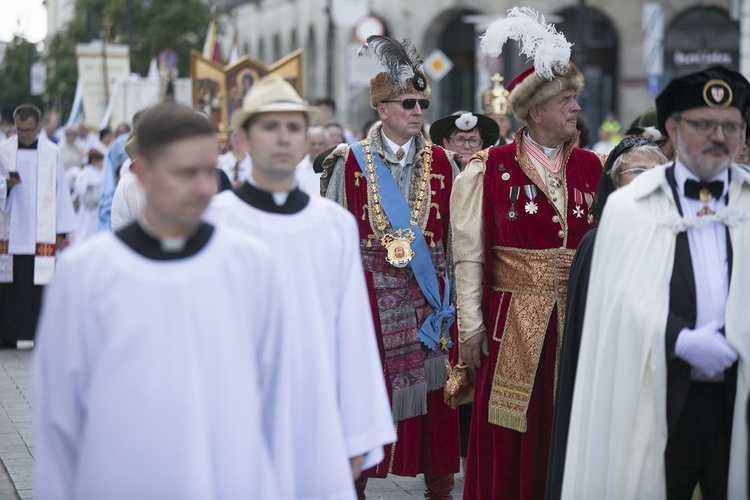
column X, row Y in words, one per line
column 357, row 175
column 364, row 211
column 431, row 235
column 441, row 177
column 437, row 209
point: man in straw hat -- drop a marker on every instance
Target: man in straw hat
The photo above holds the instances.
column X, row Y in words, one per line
column 661, row 395
column 398, row 187
column 518, row 213
column 338, row 399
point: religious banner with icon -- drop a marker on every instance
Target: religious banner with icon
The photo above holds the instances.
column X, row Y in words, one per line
column 219, row 90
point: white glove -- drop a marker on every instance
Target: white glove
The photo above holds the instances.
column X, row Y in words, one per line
column 705, row 349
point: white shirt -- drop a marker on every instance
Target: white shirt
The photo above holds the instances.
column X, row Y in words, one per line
column 128, row 202
column 708, row 252
column 395, row 147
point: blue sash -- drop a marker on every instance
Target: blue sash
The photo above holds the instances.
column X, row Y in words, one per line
column 398, row 212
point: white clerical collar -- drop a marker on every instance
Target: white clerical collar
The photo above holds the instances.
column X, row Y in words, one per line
column 168, row 244
column 395, row 147
column 682, row 173
column 548, row 152
column 279, row 197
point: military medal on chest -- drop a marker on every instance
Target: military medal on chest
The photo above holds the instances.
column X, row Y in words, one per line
column 531, row 207
column 589, row 197
column 515, row 192
column 578, row 199
column 553, row 181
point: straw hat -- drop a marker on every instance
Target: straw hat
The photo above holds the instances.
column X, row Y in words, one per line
column 271, row 94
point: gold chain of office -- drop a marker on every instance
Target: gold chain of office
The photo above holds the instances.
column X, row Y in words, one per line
column 399, row 241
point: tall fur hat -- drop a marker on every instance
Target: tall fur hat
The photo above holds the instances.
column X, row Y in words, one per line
column 403, row 69
column 552, row 72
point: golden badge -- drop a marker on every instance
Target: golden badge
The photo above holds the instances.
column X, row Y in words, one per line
column 705, row 195
column 398, row 246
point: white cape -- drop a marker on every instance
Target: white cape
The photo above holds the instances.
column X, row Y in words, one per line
column 618, row 424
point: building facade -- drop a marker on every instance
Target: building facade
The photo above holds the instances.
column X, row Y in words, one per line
column 627, row 50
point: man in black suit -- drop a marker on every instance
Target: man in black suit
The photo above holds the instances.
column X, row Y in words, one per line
column 660, row 402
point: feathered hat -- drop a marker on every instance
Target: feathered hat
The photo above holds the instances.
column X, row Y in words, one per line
column 403, row 69
column 552, row 72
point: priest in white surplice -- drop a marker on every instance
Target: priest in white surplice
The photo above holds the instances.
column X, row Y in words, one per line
column 36, row 212
column 661, row 393
column 342, row 416
column 160, row 371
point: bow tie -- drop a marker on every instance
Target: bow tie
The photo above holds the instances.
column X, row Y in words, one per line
column 703, row 191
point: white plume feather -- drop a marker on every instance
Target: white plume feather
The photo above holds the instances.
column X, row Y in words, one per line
column 539, row 41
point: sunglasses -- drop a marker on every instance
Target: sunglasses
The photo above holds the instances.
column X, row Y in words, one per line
column 410, row 103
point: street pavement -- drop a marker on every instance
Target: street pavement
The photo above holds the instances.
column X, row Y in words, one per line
column 17, row 449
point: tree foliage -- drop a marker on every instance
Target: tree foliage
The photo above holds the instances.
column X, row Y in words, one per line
column 15, row 74
column 62, row 72
column 149, row 25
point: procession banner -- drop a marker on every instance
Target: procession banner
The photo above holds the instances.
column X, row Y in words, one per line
column 219, row 90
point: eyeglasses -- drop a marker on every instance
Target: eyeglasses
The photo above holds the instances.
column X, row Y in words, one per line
column 410, row 103
column 632, row 171
column 707, row 128
column 460, row 141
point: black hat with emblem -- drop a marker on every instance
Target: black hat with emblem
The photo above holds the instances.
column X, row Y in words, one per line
column 715, row 87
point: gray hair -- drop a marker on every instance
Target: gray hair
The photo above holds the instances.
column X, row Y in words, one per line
column 320, row 129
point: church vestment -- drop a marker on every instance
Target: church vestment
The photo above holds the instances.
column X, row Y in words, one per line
column 238, row 171
column 631, row 389
column 31, row 216
column 428, row 431
column 160, row 374
column 88, row 191
column 340, row 403
column 309, row 180
column 515, row 231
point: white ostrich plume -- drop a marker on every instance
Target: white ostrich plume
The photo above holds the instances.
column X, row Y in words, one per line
column 538, row 40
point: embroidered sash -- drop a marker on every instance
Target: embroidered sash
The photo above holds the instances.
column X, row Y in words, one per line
column 397, row 210
column 537, row 281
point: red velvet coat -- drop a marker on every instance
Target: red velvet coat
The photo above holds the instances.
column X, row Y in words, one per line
column 506, row 463
column 430, row 443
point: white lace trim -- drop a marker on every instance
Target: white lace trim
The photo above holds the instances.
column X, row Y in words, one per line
column 730, row 217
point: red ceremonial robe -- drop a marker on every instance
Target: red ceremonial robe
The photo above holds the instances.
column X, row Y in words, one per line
column 502, row 462
column 428, row 443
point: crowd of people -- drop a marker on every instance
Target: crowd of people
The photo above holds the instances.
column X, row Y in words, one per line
column 314, row 309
